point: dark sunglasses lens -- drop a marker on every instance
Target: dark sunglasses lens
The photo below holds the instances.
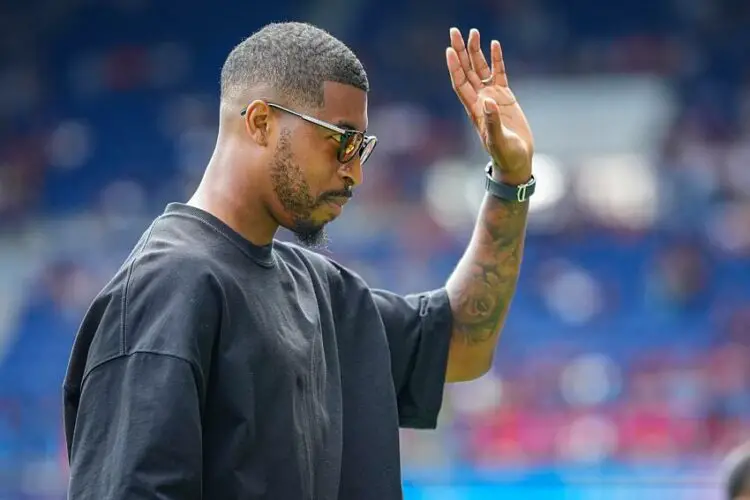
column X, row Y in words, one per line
column 350, row 145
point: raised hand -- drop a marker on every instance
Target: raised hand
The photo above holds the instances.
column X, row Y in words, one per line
column 491, row 105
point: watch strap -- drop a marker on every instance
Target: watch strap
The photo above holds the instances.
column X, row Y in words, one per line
column 509, row 192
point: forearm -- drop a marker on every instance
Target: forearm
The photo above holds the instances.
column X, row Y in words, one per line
column 482, row 286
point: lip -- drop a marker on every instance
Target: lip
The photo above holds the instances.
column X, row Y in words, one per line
column 335, row 206
column 337, row 203
column 338, row 200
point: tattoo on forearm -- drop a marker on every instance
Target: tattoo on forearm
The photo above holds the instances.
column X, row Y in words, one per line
column 483, row 284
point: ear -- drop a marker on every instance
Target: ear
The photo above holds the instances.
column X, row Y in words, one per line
column 258, row 122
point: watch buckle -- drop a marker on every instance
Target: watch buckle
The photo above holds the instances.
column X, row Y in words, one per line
column 522, row 189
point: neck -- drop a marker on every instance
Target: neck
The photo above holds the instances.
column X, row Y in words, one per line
column 231, row 198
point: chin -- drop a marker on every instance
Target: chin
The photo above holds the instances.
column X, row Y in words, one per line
column 313, row 238
column 308, row 232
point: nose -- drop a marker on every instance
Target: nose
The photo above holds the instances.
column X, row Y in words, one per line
column 352, row 172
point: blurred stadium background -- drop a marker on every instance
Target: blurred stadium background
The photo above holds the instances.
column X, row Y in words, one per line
column 623, row 370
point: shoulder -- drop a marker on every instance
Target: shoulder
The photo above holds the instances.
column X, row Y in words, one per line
column 163, row 263
column 736, row 471
column 165, row 299
column 171, row 269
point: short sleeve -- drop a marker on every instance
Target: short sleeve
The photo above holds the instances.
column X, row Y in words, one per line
column 137, row 432
column 418, row 328
column 135, row 387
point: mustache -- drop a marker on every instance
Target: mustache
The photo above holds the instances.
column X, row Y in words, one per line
column 330, row 195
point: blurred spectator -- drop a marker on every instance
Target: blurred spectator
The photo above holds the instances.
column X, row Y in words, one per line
column 629, row 338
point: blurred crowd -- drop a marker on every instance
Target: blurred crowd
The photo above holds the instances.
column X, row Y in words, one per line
column 624, row 343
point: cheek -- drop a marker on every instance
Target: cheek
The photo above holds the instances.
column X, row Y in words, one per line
column 304, row 157
column 319, row 175
column 317, row 155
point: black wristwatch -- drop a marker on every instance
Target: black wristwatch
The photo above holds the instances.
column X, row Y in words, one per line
column 508, row 192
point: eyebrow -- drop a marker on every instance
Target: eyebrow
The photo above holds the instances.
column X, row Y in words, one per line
column 348, row 126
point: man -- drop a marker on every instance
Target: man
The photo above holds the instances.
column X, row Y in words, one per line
column 221, row 364
column 737, row 471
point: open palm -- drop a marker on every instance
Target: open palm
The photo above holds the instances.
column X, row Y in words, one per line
column 490, row 104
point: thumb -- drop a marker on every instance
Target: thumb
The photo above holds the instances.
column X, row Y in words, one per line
column 492, row 117
column 502, row 140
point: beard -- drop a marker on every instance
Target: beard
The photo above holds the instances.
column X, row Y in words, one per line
column 312, row 237
column 293, row 192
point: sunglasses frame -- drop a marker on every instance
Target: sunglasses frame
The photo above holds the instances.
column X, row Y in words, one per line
column 366, row 143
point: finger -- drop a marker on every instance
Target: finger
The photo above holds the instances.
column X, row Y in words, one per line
column 457, row 43
column 478, row 62
column 498, row 64
column 465, row 91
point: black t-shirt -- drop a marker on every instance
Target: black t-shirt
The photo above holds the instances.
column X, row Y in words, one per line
column 211, row 368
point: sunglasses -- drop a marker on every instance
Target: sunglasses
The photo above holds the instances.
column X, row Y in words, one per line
column 351, row 142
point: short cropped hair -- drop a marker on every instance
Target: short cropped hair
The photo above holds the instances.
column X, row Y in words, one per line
column 294, row 59
column 737, row 472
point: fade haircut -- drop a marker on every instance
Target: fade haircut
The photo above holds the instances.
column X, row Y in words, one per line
column 294, row 59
